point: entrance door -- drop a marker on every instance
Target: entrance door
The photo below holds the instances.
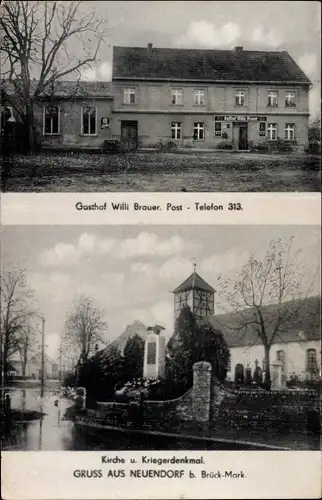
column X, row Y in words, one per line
column 243, row 137
column 129, row 135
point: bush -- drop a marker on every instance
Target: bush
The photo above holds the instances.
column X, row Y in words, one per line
column 282, row 146
column 313, row 148
column 69, row 380
column 297, row 382
column 225, row 145
column 261, row 147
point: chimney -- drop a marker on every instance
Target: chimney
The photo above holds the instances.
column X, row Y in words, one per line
column 150, row 47
column 239, row 49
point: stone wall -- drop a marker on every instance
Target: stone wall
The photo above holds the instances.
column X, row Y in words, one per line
column 256, row 409
column 223, row 407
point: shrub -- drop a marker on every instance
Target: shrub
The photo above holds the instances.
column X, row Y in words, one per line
column 225, row 145
column 297, row 381
column 282, row 146
column 261, row 147
column 69, row 380
column 313, row 148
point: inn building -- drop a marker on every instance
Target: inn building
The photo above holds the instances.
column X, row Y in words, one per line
column 208, row 98
column 223, row 99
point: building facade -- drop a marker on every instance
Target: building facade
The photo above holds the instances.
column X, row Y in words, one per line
column 223, row 99
column 208, row 98
column 72, row 115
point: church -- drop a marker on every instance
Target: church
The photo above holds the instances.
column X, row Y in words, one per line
column 296, row 350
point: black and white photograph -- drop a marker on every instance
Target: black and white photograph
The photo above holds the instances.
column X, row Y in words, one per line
column 161, row 338
column 160, row 96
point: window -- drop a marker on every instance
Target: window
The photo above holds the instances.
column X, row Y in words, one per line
column 289, row 131
column 51, row 120
column 129, row 96
column 290, row 99
column 218, row 129
column 229, row 363
column 176, row 96
column 272, row 98
column 272, row 131
column 198, row 131
column 88, row 120
column 311, row 364
column 240, row 98
column 280, row 356
column 262, row 128
column 199, row 97
column 176, row 129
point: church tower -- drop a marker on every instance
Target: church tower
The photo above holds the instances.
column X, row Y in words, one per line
column 196, row 293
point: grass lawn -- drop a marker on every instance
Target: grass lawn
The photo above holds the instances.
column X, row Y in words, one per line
column 152, row 171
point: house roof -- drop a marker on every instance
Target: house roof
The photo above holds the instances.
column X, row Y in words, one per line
column 69, row 89
column 304, row 326
column 194, row 282
column 136, row 328
column 205, row 65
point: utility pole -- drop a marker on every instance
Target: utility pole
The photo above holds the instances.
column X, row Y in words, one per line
column 60, row 365
column 42, row 357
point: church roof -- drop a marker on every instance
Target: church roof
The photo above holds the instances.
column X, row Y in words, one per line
column 238, row 65
column 303, row 326
column 194, row 282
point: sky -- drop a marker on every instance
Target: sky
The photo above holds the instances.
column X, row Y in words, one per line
column 255, row 25
column 130, row 271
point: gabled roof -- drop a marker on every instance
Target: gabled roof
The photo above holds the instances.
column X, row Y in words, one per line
column 304, row 326
column 68, row 89
column 194, row 282
column 205, row 65
column 136, row 328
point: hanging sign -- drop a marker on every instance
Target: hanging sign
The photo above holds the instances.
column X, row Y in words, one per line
column 240, row 118
column 105, row 122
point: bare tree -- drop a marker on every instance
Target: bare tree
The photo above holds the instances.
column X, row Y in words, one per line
column 16, row 311
column 84, row 330
column 37, row 37
column 278, row 280
column 28, row 343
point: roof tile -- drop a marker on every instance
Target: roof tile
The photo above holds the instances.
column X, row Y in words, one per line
column 203, row 65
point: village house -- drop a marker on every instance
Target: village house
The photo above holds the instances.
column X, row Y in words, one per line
column 208, row 98
column 224, row 99
column 33, row 367
column 71, row 115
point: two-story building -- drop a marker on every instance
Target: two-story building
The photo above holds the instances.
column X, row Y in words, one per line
column 208, row 98
column 226, row 99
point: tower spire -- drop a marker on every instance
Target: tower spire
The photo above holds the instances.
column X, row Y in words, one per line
column 194, row 265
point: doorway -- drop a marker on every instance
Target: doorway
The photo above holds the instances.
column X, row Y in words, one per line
column 243, row 137
column 129, row 135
